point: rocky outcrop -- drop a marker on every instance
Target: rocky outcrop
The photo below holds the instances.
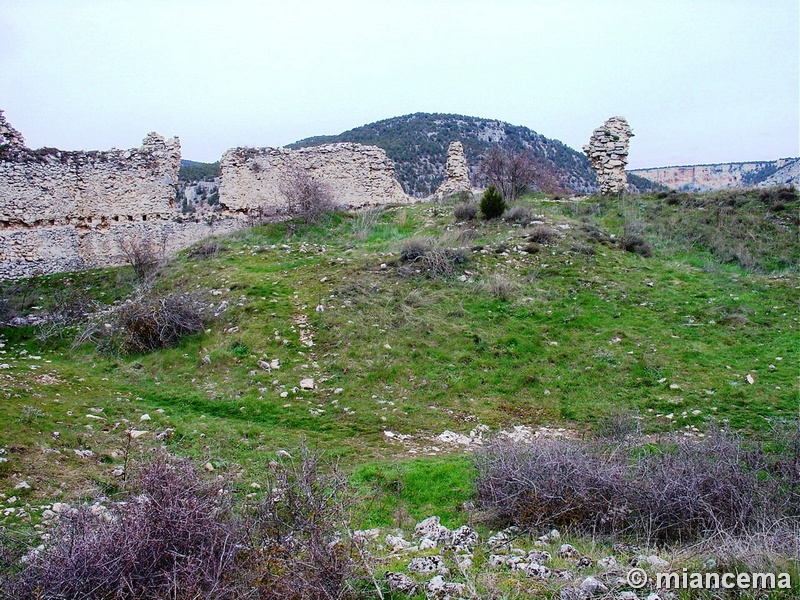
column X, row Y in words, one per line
column 456, row 171
column 608, row 152
column 356, row 176
column 703, row 178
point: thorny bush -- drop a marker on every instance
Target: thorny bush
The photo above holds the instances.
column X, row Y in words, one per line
column 147, row 322
column 176, row 538
column 683, row 490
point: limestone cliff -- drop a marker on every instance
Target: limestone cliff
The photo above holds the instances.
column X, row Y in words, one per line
column 702, row 178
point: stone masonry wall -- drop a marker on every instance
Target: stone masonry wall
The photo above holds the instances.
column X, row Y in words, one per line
column 608, row 152
column 356, row 175
column 457, row 172
column 65, row 211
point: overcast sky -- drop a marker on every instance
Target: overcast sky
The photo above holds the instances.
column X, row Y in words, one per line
column 699, row 81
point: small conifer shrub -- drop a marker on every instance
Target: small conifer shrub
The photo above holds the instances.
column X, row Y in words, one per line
column 492, row 204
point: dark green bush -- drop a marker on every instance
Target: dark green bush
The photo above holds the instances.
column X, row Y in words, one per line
column 492, row 204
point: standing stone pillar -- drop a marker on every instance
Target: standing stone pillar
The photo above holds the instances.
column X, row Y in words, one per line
column 608, row 152
column 457, row 173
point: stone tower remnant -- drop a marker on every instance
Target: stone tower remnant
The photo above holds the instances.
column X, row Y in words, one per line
column 608, row 152
column 457, row 180
column 9, row 137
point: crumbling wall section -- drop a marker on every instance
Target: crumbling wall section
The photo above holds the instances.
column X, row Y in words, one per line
column 608, row 152
column 457, row 171
column 62, row 211
column 356, row 175
column 65, row 211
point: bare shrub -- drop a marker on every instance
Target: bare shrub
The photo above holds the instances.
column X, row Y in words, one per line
column 685, row 490
column 307, row 198
column 696, row 487
column 518, row 214
column 510, row 172
column 149, row 321
column 176, row 538
column 541, row 234
column 305, row 551
column 500, row 287
column 205, row 250
column 441, row 262
column 144, row 254
column 70, row 307
column 551, row 482
column 414, row 249
column 633, row 240
column 785, row 461
column 465, row 211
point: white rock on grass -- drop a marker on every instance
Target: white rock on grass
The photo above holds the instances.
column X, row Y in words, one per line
column 362, row 536
column 568, row 551
column 432, row 529
column 502, row 539
column 550, row 537
column 539, row 556
column 400, row 582
column 427, row 544
column 656, row 561
column 427, row 565
column 439, row 588
column 573, row 593
column 496, row 561
column 607, row 563
column 595, row 587
column 396, row 543
column 538, row 571
column 463, row 539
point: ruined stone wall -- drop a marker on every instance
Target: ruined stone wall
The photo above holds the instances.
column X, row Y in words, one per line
column 457, row 172
column 62, row 211
column 608, row 152
column 65, row 211
column 356, row 175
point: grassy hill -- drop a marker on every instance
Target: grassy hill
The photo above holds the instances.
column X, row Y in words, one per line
column 652, row 306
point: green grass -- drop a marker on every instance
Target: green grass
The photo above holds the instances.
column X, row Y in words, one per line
column 586, row 333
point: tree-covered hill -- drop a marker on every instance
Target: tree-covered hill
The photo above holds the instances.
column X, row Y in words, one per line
column 418, row 144
column 191, row 170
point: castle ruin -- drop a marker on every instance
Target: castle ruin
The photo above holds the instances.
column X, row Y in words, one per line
column 71, row 210
column 608, row 152
column 457, row 173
